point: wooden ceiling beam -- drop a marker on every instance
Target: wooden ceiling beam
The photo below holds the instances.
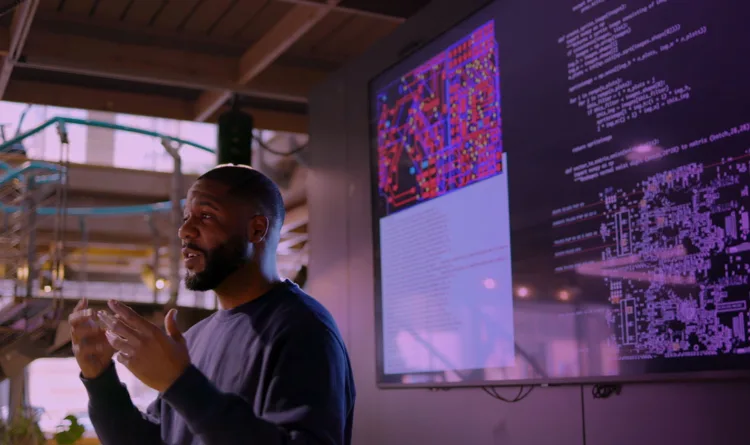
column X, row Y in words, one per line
column 4, row 42
column 295, row 218
column 162, row 66
column 20, row 25
column 288, row 30
column 74, row 238
column 353, row 11
column 86, row 98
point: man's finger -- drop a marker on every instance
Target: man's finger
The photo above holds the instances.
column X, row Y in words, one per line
column 130, row 316
column 92, row 348
column 84, row 317
column 81, row 305
column 120, row 344
column 79, row 317
column 85, row 331
column 123, row 358
column 118, row 326
column 170, row 324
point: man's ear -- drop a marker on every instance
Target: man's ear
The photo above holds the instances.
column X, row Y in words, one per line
column 257, row 228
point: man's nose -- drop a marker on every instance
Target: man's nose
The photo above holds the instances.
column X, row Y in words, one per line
column 187, row 231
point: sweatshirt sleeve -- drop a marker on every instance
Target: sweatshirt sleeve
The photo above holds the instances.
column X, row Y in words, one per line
column 116, row 419
column 305, row 397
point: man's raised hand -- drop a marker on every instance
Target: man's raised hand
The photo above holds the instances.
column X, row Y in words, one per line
column 156, row 358
column 90, row 346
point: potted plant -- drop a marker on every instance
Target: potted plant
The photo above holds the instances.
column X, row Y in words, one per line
column 23, row 429
column 70, row 432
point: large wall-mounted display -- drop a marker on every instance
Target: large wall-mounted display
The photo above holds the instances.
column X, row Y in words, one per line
column 561, row 195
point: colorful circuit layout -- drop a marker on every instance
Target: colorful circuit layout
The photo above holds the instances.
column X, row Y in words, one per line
column 439, row 126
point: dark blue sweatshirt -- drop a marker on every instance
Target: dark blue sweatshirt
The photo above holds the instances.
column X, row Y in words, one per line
column 272, row 371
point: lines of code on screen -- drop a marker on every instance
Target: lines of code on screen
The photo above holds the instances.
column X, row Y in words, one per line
column 438, row 126
column 659, row 220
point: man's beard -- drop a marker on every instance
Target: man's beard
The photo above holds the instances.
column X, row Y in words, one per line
column 220, row 263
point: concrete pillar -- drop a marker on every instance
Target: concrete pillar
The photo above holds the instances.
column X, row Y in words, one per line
column 100, row 142
column 17, row 394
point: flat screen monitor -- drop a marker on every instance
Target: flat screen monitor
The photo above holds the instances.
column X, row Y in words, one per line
column 561, row 194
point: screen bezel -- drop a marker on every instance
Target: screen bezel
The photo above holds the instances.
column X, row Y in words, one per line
column 381, row 376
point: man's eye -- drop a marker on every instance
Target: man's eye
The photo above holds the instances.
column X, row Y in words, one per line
column 206, row 216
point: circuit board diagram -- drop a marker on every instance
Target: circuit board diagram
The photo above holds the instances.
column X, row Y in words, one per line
column 439, row 126
column 677, row 260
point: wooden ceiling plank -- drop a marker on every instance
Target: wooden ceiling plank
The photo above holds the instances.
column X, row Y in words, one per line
column 207, row 13
column 266, row 50
column 49, row 6
column 239, row 15
column 129, row 34
column 263, row 21
column 274, row 43
column 110, row 10
column 136, row 103
column 334, row 34
column 353, row 11
column 143, row 12
column 78, row 7
column 81, row 55
column 308, row 43
column 174, row 14
column 93, row 99
column 4, row 42
column 21, row 21
column 209, row 103
column 377, row 33
column 82, row 50
column 300, row 81
column 351, row 39
column 296, row 92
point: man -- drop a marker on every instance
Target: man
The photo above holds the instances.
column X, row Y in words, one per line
column 269, row 368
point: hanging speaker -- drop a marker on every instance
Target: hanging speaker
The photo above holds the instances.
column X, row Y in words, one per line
column 235, row 137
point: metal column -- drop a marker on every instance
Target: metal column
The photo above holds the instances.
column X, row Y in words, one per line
column 84, row 275
column 155, row 260
column 30, row 208
column 17, row 394
column 175, row 246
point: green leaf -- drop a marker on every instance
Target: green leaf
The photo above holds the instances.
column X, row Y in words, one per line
column 73, row 432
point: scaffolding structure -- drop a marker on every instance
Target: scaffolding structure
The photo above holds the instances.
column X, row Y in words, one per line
column 33, row 194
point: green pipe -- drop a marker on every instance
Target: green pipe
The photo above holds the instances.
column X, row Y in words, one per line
column 92, row 123
column 29, row 133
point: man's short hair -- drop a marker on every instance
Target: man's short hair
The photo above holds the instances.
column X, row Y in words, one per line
column 247, row 183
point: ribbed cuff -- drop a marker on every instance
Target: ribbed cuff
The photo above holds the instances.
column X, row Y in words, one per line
column 105, row 387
